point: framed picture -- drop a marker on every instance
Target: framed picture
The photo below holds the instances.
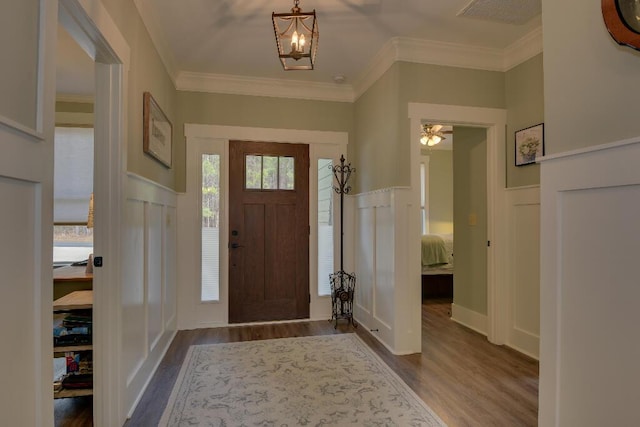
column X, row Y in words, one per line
column 157, row 131
column 529, row 144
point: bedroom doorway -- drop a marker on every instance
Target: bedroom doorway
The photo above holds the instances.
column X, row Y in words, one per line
column 457, row 224
column 436, row 206
column 485, row 311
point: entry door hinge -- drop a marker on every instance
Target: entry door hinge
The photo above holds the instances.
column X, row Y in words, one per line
column 488, row 243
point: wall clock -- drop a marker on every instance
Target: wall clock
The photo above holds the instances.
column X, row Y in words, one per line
column 622, row 18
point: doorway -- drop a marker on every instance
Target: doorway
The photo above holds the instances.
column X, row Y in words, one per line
column 269, row 231
column 494, row 324
column 89, row 24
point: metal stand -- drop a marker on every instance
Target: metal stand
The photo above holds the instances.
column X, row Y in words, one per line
column 342, row 284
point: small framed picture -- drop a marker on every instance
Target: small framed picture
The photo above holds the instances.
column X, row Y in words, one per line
column 157, row 131
column 529, row 144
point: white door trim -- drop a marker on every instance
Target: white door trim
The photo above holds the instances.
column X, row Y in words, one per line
column 91, row 26
column 494, row 120
column 202, row 138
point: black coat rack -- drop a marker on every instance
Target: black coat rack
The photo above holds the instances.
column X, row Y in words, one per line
column 342, row 283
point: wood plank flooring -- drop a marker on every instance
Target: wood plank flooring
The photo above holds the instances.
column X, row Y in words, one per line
column 466, row 380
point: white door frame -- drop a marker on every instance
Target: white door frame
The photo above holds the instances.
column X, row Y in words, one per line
column 92, row 27
column 495, row 121
column 192, row 313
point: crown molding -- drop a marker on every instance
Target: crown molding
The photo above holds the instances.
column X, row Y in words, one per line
column 258, row 86
column 379, row 65
column 449, row 54
column 523, row 49
column 146, row 12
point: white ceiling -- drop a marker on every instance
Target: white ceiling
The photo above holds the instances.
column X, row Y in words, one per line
column 235, row 37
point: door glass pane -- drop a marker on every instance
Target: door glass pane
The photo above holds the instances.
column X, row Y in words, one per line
column 269, row 173
column 325, row 225
column 210, row 286
column 286, row 173
column 253, row 172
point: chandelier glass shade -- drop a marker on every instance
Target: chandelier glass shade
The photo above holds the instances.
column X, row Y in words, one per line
column 296, row 38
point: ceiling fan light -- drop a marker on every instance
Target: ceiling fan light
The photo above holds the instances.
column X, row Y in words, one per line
column 424, row 140
column 435, row 139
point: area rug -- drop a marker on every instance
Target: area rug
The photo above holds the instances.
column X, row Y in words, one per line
column 329, row 380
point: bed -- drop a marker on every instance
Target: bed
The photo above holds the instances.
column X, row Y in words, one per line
column 437, row 266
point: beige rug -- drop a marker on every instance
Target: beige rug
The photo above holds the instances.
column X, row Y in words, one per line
column 329, row 380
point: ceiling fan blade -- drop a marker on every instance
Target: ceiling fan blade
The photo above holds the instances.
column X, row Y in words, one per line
column 436, row 128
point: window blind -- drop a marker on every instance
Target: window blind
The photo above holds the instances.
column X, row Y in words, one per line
column 73, row 174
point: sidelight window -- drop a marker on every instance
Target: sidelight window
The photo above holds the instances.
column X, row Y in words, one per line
column 325, row 225
column 210, row 285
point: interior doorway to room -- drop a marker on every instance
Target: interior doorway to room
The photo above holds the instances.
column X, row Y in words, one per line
column 91, row 28
column 456, row 178
column 268, row 231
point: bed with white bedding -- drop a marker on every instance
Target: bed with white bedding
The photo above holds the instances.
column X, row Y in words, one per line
column 437, row 265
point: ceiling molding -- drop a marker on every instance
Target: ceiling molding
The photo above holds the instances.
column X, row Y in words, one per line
column 383, row 60
column 521, row 50
column 449, row 54
column 258, row 86
column 146, row 12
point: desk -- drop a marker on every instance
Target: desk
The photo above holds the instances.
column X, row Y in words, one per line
column 70, row 279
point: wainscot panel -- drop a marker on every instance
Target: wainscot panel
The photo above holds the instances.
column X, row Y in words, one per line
column 149, row 282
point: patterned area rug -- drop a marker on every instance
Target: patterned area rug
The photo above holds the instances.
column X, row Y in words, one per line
column 330, row 380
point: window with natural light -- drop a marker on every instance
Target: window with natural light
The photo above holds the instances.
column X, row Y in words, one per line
column 325, row 225
column 210, row 285
column 72, row 188
column 269, row 172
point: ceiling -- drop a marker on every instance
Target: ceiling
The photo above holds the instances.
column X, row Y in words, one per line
column 235, row 37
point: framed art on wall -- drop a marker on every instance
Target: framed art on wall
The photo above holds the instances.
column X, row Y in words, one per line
column 529, row 144
column 157, row 131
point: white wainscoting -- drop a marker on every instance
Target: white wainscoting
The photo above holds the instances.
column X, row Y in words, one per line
column 523, row 204
column 590, row 247
column 149, row 282
column 388, row 291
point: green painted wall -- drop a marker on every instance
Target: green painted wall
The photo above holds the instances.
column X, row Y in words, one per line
column 591, row 85
column 382, row 115
column 258, row 111
column 440, row 191
column 74, row 107
column 378, row 152
column 525, row 107
column 147, row 74
column 470, row 200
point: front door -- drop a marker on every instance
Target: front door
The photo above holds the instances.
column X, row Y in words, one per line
column 269, row 231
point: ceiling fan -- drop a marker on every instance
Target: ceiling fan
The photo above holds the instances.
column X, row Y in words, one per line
column 432, row 134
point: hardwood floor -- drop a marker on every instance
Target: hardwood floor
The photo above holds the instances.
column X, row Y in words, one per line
column 466, row 380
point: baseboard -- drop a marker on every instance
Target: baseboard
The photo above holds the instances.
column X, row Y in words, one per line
column 469, row 318
column 525, row 342
column 153, row 371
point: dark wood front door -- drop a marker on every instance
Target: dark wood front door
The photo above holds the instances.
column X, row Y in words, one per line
column 268, row 231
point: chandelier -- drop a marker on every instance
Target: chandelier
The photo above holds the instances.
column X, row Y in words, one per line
column 431, row 135
column 296, row 38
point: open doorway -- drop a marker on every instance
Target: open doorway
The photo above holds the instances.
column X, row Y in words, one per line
column 456, row 201
column 73, row 233
column 90, row 26
column 491, row 319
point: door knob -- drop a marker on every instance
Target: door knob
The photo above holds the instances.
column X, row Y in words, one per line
column 235, row 246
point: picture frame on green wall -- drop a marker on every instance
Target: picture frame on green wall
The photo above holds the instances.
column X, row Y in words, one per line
column 529, row 144
column 157, row 131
